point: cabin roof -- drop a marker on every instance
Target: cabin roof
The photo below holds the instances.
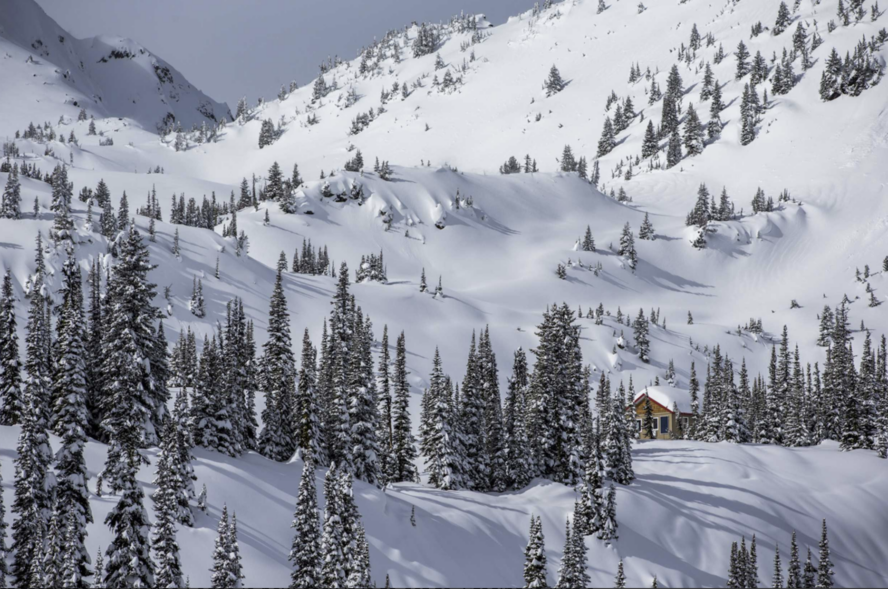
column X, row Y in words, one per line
column 666, row 397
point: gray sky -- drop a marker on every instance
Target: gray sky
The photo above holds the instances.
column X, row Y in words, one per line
column 232, row 48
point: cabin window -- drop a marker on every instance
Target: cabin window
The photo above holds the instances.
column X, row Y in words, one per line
column 685, row 422
column 638, row 424
column 664, row 425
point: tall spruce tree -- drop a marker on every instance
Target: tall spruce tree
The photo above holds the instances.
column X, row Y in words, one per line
column 167, row 506
column 333, row 561
column 403, row 446
column 62, row 194
column 607, row 142
column 620, row 580
column 33, row 481
column 4, row 549
column 279, row 376
column 555, row 398
column 33, row 493
column 305, row 552
column 340, row 356
column 308, row 427
column 794, row 573
column 129, row 561
column 472, row 414
column 210, row 417
column 384, row 434
column 588, row 518
column 535, row 556
column 134, row 406
column 70, row 423
column 235, row 564
column 362, row 407
column 824, row 567
column 488, row 381
column 11, row 203
column 439, row 442
column 777, row 575
column 12, row 403
column 519, row 469
column 627, row 247
column 221, row 578
column 608, row 530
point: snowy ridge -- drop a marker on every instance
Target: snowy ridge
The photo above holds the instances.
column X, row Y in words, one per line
column 108, row 76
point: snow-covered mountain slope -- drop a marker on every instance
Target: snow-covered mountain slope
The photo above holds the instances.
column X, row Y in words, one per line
column 677, row 521
column 497, row 260
column 47, row 72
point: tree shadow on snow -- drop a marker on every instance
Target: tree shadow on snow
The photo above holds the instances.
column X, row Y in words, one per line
column 659, row 277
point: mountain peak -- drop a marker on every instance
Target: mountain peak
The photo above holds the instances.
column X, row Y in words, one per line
column 108, row 75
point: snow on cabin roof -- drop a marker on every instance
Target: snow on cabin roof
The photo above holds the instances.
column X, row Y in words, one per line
column 666, row 396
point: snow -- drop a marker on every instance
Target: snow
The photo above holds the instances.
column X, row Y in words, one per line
column 677, row 521
column 497, row 261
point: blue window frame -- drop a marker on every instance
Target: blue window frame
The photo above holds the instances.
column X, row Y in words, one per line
column 664, row 425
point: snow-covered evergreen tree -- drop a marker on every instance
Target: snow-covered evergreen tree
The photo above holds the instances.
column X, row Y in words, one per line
column 439, row 444
column 279, row 376
column 519, row 468
column 235, row 564
column 4, row 549
column 673, row 150
column 747, row 116
column 488, row 381
column 267, row 133
column 646, row 231
column 472, row 414
column 12, row 403
column 620, row 580
column 11, row 203
column 384, row 433
column 567, row 572
column 62, row 195
column 167, row 506
column 627, row 247
column 308, row 427
column 70, row 422
column 33, row 481
column 651, row 145
column 693, row 132
column 642, row 341
column 33, row 489
column 554, row 398
column 133, row 402
column 742, row 55
column 824, row 567
column 783, row 19
column 554, row 84
column 608, row 529
column 196, row 304
column 305, row 553
column 607, row 142
column 403, row 447
column 535, row 556
column 333, row 561
column 222, row 575
column 129, row 562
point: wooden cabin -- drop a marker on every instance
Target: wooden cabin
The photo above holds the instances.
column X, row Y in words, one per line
column 663, row 402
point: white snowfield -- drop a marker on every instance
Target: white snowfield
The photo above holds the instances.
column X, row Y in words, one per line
column 689, row 502
column 497, row 260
